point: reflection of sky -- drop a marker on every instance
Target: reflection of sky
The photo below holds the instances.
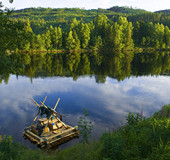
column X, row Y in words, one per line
column 108, row 103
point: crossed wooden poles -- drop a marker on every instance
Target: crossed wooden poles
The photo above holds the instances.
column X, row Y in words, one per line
column 54, row 113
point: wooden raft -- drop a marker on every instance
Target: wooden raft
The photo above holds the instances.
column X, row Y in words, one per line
column 49, row 132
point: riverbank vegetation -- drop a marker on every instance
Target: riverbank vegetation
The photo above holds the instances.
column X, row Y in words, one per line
column 23, row 32
column 140, row 139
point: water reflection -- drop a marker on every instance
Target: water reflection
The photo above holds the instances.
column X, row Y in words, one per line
column 102, row 65
column 121, row 88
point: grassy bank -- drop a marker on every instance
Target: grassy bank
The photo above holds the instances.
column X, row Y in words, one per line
column 139, row 139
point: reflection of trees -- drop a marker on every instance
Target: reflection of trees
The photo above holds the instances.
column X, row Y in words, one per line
column 115, row 65
column 5, row 65
column 84, row 65
column 57, row 68
column 4, row 77
column 102, row 65
column 151, row 64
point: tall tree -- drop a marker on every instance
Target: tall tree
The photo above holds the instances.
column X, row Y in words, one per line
column 167, row 37
column 40, row 43
column 47, row 40
column 70, row 41
column 84, row 35
column 126, row 32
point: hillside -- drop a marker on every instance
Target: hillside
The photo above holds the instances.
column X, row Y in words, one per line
column 44, row 17
column 127, row 10
column 49, row 14
column 164, row 11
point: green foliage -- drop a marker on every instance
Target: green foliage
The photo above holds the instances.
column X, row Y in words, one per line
column 115, row 28
column 77, row 152
column 134, row 119
column 9, row 150
column 70, row 41
column 98, row 43
column 112, row 146
column 139, row 139
column 47, row 39
column 163, row 113
column 85, row 127
column 101, row 31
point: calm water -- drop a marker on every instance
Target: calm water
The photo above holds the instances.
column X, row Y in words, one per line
column 107, row 85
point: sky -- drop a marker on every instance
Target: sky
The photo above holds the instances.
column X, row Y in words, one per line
column 149, row 5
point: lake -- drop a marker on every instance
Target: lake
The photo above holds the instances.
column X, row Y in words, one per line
column 109, row 85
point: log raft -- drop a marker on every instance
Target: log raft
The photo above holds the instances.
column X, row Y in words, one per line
column 51, row 131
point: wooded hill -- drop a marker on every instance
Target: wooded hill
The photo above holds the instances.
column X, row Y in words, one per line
column 45, row 17
column 117, row 28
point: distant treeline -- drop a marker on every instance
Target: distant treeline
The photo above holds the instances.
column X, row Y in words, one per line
column 100, row 33
column 62, row 16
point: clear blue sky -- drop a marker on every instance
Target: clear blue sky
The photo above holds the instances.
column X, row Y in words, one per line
column 149, row 5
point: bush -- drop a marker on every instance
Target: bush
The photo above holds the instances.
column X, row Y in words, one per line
column 8, row 149
column 140, row 138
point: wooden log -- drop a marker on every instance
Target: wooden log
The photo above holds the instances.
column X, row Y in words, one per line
column 44, row 99
column 59, row 141
column 38, row 110
column 35, row 102
column 33, row 135
column 62, row 133
column 57, row 103
column 66, row 136
column 66, row 126
column 35, row 117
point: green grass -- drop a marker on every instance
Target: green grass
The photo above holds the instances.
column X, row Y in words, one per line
column 139, row 139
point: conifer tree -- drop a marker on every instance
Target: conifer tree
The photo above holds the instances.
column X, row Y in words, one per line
column 84, row 35
column 47, row 40
column 70, row 41
column 40, row 44
column 167, row 37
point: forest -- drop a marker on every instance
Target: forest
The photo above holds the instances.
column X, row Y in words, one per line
column 44, row 29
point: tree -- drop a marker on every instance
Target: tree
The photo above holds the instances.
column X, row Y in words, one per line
column 72, row 41
column 47, row 39
column 60, row 37
column 100, row 23
column 10, row 31
column 117, row 36
column 56, row 37
column 126, row 32
column 77, row 41
column 167, row 37
column 28, row 41
column 84, row 35
column 129, row 41
column 74, row 24
column 40, row 44
column 98, row 43
column 136, row 33
column 85, row 128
